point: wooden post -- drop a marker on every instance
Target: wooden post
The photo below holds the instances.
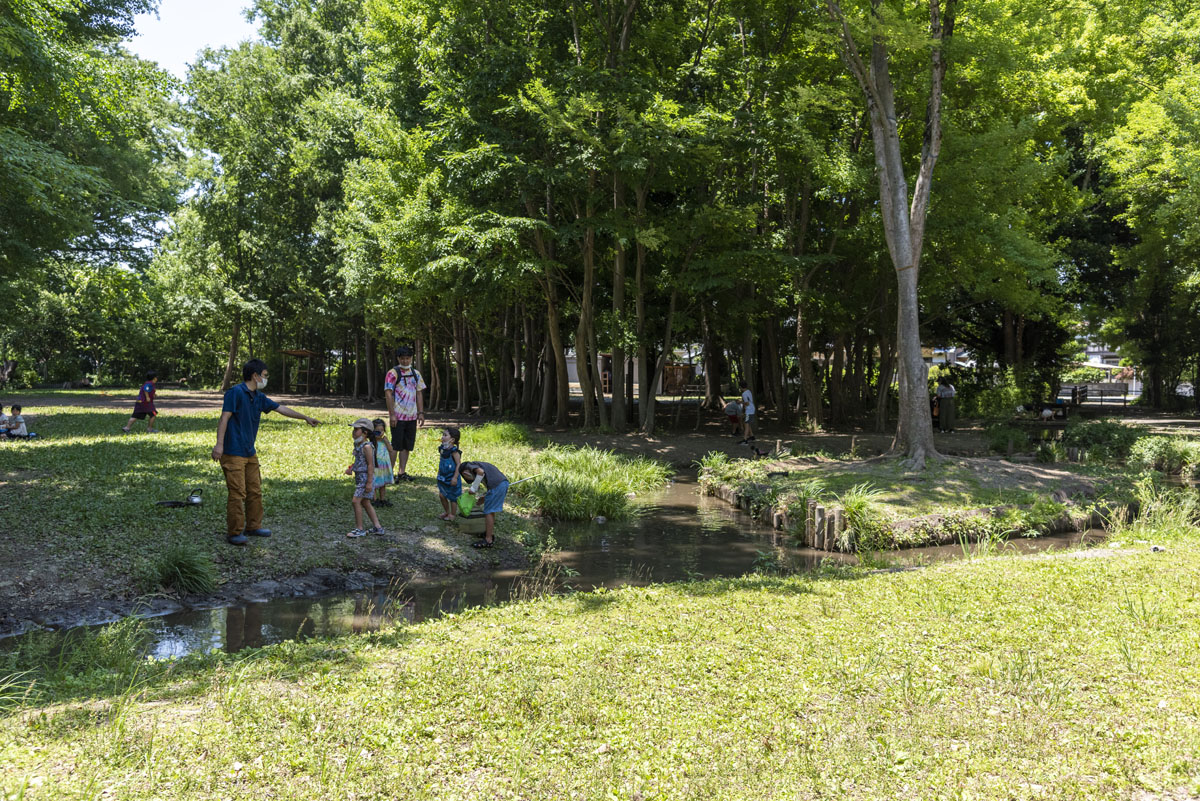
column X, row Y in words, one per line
column 819, row 529
column 810, row 527
column 839, row 525
column 831, row 531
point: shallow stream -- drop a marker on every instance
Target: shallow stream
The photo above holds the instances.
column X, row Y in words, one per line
column 683, row 535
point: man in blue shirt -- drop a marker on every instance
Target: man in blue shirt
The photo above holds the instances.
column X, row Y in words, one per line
column 243, row 408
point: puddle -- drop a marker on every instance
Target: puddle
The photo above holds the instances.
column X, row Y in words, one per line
column 683, row 535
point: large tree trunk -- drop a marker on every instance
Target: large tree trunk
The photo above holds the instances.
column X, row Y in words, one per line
column 903, row 223
column 714, row 398
column 234, row 343
column 462, row 404
column 585, row 358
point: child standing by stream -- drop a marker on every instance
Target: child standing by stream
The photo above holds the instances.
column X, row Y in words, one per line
column 385, row 458
column 363, row 470
column 448, row 481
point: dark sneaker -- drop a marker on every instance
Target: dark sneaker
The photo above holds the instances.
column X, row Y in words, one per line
column 376, row 530
column 257, row 532
column 237, row 539
column 481, row 544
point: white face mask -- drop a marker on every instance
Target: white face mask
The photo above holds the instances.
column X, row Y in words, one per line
column 262, row 384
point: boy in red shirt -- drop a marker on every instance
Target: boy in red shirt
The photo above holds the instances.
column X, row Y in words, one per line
column 144, row 407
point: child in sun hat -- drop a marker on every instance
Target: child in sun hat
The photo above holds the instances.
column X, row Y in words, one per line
column 363, row 470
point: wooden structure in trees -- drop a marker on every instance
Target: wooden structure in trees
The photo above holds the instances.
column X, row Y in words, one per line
column 308, row 376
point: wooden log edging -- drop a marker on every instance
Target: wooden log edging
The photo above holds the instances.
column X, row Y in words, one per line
column 826, row 528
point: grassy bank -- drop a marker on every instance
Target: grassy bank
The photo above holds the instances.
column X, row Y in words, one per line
column 880, row 495
column 79, row 503
column 1055, row 676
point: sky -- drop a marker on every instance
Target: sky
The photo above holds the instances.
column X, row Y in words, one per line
column 184, row 27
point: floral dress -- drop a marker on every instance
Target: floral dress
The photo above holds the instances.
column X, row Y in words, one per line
column 383, row 466
column 362, row 489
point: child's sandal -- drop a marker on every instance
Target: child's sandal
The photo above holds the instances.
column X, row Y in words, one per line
column 356, row 533
column 482, row 544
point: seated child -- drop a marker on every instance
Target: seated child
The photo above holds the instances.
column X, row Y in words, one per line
column 15, row 428
column 385, row 457
column 493, row 501
column 448, row 481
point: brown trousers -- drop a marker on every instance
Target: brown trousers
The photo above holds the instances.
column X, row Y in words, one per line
column 244, row 509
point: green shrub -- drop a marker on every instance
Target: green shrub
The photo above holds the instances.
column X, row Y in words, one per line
column 1104, row 439
column 1166, row 454
column 998, row 437
column 582, row 483
column 181, row 566
column 866, row 522
column 495, row 434
column 998, row 402
column 1085, row 375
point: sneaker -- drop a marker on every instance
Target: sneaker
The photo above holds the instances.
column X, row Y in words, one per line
column 125, row 430
column 376, row 530
column 482, row 544
column 356, row 533
column 382, row 503
column 257, row 532
column 237, row 539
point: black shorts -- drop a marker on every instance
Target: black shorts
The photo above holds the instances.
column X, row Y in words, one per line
column 404, row 435
column 141, row 415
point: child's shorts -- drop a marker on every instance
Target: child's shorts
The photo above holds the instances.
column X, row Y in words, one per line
column 363, row 488
column 493, row 501
column 750, row 420
column 733, row 418
column 142, row 415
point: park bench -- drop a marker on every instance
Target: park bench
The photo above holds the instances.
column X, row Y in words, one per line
column 1110, row 390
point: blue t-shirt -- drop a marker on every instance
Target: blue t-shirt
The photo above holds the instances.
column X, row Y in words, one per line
column 247, row 408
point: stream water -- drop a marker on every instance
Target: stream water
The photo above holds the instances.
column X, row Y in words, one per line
column 683, row 535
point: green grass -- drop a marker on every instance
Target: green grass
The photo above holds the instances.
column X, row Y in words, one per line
column 1046, row 677
column 81, row 500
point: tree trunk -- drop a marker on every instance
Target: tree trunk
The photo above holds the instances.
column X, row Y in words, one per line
column 549, row 382
column 887, row 367
column 585, row 359
column 462, row 404
column 837, row 385
column 904, row 222
column 713, row 396
column 234, row 342
column 373, row 389
column 618, row 349
column 649, row 399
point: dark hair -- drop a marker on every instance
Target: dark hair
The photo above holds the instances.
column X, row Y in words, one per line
column 378, row 421
column 743, row 384
column 454, row 433
column 403, row 350
column 251, row 367
column 16, row 408
column 151, row 375
column 372, row 435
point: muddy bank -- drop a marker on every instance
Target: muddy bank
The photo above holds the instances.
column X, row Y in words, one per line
column 51, row 601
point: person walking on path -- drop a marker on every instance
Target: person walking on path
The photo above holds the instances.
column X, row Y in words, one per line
column 402, row 387
column 945, row 405
column 241, row 412
column 144, row 406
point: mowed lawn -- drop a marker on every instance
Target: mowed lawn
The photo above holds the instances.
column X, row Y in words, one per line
column 1059, row 676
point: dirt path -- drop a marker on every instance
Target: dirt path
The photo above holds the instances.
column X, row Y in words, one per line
column 681, row 447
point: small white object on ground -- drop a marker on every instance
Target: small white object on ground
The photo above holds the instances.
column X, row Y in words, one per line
column 599, row 519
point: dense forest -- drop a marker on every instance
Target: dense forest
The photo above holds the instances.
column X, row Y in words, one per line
column 803, row 194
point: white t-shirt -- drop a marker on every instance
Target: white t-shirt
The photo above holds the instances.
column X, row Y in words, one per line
column 946, row 391
column 17, row 426
column 748, row 402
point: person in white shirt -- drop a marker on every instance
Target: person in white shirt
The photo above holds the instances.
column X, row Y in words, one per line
column 748, row 413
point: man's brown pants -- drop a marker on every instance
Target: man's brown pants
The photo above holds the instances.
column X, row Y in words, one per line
column 244, row 509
